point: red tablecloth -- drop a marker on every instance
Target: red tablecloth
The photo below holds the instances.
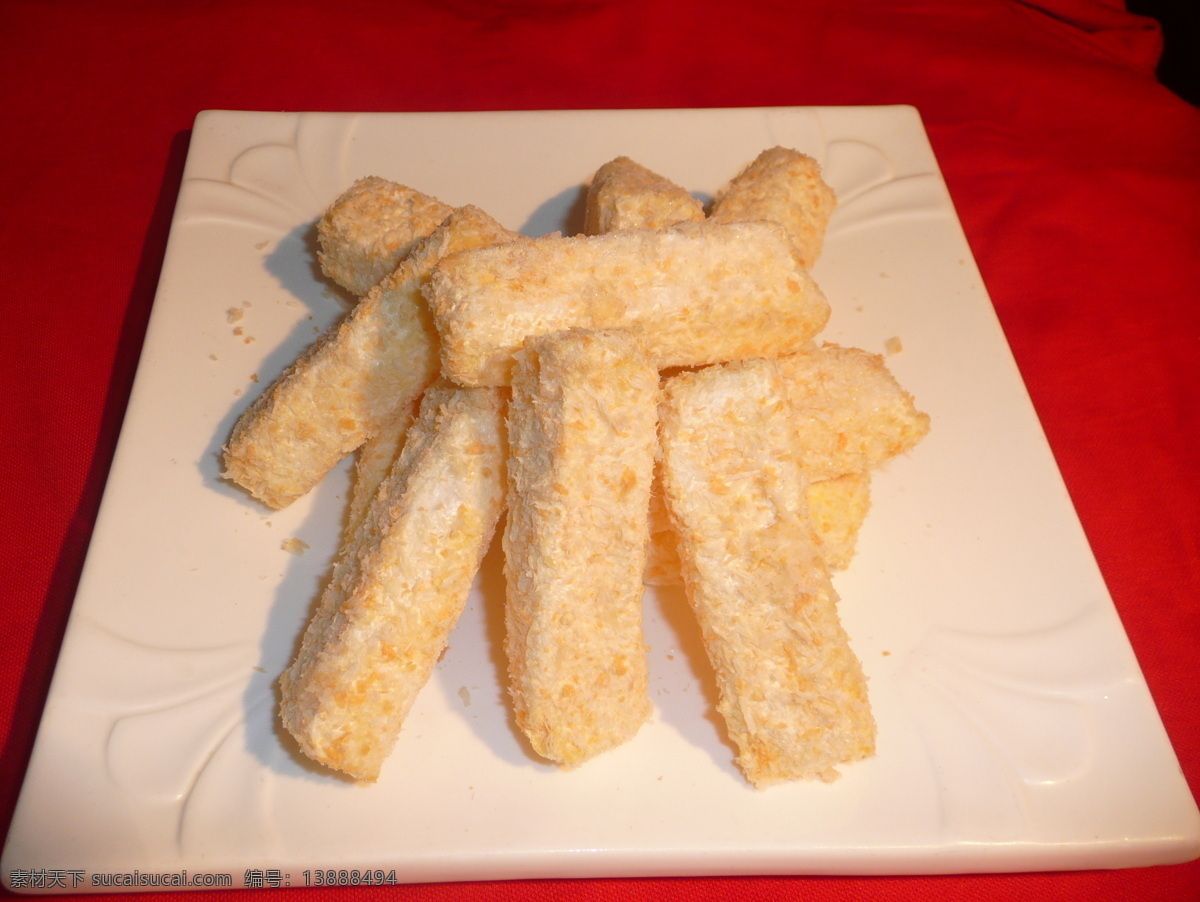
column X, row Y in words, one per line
column 1076, row 175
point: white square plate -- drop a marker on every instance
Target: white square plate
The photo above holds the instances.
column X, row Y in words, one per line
column 1015, row 729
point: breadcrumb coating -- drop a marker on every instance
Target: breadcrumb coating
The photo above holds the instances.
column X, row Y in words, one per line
column 791, row 691
column 849, row 412
column 367, row 231
column 697, row 293
column 399, row 587
column 784, row 186
column 624, row 194
column 582, row 428
column 357, row 376
column 742, row 471
column 373, row 461
column 837, row 509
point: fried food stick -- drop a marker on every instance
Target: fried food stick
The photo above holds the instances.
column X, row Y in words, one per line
column 696, row 292
column 850, row 415
column 791, row 690
column 624, row 194
column 399, row 587
column 367, row 231
column 784, row 186
column 358, row 376
column 582, row 433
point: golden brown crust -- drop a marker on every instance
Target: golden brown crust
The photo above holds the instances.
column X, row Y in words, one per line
column 850, row 415
column 837, row 509
column 784, row 186
column 400, row 585
column 791, row 691
column 849, row 412
column 582, row 433
column 697, row 293
column 624, row 194
column 370, row 228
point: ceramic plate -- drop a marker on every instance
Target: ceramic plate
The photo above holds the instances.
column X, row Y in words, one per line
column 1015, row 729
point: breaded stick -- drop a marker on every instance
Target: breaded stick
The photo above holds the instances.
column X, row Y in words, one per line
column 582, row 434
column 367, row 231
column 626, row 195
column 784, row 186
column 791, row 690
column 363, row 371
column 398, row 589
column 837, row 509
column 696, row 292
column 849, row 412
column 850, row 415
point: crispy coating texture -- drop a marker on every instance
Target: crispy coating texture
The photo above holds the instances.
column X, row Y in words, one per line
column 355, row 379
column 582, row 428
column 849, row 412
column 837, row 509
column 373, row 461
column 697, row 293
column 791, row 691
column 624, row 194
column 367, row 231
column 784, row 186
column 850, row 415
column 398, row 589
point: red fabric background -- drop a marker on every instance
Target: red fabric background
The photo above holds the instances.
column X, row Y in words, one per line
column 1076, row 175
